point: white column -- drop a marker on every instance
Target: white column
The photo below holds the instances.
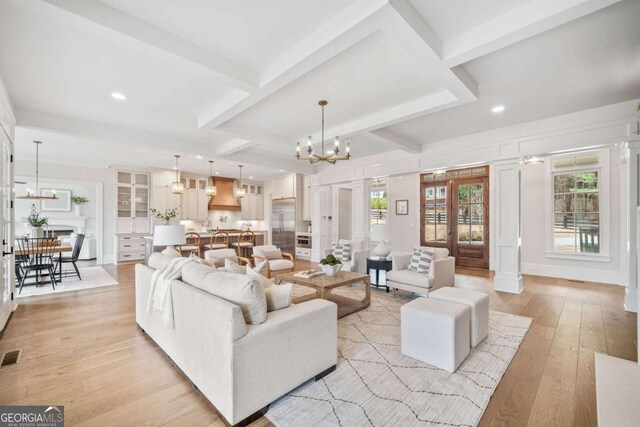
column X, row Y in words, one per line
column 320, row 221
column 631, row 203
column 506, row 224
column 361, row 202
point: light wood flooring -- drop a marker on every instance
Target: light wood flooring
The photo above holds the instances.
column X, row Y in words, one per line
column 83, row 350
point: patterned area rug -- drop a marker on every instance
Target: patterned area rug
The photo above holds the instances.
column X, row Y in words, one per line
column 375, row 385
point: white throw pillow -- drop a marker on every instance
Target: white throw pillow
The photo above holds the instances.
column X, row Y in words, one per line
column 342, row 251
column 233, row 267
column 259, row 278
column 261, row 267
column 278, row 296
column 421, row 260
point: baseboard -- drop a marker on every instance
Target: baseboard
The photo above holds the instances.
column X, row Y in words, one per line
column 573, row 273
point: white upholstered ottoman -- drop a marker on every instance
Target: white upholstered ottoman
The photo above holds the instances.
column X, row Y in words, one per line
column 479, row 304
column 435, row 332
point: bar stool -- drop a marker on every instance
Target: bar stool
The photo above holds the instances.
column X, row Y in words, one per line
column 244, row 245
column 219, row 240
column 192, row 245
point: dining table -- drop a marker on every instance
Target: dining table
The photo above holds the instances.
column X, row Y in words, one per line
column 59, row 249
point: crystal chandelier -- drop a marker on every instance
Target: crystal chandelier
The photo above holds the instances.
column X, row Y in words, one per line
column 30, row 194
column 211, row 189
column 240, row 193
column 177, row 187
column 330, row 156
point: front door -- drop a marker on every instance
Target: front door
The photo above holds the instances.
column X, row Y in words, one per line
column 6, row 230
column 455, row 212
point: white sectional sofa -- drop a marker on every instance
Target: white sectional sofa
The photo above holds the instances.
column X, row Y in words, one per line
column 241, row 368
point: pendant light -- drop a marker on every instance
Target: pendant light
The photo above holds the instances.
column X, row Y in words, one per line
column 241, row 191
column 211, row 189
column 30, row 194
column 177, row 187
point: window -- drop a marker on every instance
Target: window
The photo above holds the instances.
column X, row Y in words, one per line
column 579, row 204
column 378, row 200
column 435, row 213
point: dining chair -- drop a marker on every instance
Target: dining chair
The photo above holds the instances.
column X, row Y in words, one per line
column 192, row 245
column 244, row 245
column 40, row 251
column 219, row 240
column 75, row 253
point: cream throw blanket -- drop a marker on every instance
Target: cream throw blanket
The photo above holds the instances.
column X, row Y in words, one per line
column 160, row 300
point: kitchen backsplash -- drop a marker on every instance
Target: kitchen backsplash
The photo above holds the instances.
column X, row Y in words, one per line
column 225, row 219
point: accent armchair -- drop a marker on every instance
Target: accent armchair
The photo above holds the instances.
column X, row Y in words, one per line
column 277, row 261
column 217, row 257
column 441, row 273
column 358, row 261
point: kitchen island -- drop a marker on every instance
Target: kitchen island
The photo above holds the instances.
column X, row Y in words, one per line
column 205, row 238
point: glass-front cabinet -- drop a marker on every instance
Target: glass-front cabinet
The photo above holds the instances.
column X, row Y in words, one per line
column 132, row 205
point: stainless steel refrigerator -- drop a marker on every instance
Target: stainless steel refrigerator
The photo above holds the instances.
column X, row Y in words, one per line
column 283, row 224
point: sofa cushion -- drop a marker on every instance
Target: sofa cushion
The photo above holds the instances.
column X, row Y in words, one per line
column 157, row 260
column 278, row 296
column 238, row 289
column 341, row 251
column 421, row 260
column 217, row 256
column 410, row 278
column 280, row 264
column 233, row 267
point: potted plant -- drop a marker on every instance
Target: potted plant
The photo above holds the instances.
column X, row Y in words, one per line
column 330, row 265
column 36, row 222
column 78, row 201
column 167, row 216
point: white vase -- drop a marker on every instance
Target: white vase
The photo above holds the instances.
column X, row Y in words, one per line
column 330, row 270
column 37, row 232
column 78, row 209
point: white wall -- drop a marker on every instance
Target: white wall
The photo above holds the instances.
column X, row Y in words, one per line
column 598, row 127
column 23, row 207
column 77, row 174
column 535, row 179
column 406, row 228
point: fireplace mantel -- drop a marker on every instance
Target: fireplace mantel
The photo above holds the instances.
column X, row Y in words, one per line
column 78, row 222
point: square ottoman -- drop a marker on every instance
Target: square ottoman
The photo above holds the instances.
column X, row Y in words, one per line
column 479, row 304
column 435, row 332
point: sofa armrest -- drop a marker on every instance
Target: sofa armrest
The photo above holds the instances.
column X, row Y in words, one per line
column 292, row 346
column 443, row 272
column 400, row 260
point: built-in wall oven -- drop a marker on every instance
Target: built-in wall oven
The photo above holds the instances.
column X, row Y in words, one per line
column 303, row 245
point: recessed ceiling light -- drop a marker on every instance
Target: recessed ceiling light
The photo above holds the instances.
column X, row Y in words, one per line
column 198, row 156
column 175, row 168
column 118, row 96
column 281, row 170
column 497, row 109
column 217, row 173
column 250, row 177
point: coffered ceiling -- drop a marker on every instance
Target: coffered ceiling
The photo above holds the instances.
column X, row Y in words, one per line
column 239, row 80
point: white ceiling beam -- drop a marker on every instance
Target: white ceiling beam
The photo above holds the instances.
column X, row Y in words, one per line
column 349, row 27
column 518, row 24
column 233, row 146
column 397, row 141
column 399, row 113
column 106, row 22
column 274, row 142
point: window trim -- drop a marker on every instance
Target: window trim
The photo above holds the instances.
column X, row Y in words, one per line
column 603, row 167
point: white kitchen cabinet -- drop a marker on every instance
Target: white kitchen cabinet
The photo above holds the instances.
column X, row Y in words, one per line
column 162, row 199
column 252, row 204
column 195, row 202
column 132, row 203
column 285, row 187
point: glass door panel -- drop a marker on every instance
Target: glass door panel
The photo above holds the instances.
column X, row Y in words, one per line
column 141, row 202
column 124, row 202
column 435, row 215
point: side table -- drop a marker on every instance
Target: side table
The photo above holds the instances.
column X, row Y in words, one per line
column 378, row 264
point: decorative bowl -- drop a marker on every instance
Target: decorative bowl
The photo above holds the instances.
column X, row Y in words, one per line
column 330, row 270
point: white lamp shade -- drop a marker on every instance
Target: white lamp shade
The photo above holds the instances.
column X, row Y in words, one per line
column 381, row 232
column 169, row 235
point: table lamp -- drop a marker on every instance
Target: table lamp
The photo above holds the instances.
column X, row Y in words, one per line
column 382, row 234
column 169, row 236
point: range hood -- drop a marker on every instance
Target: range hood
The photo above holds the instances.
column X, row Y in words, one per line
column 226, row 199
